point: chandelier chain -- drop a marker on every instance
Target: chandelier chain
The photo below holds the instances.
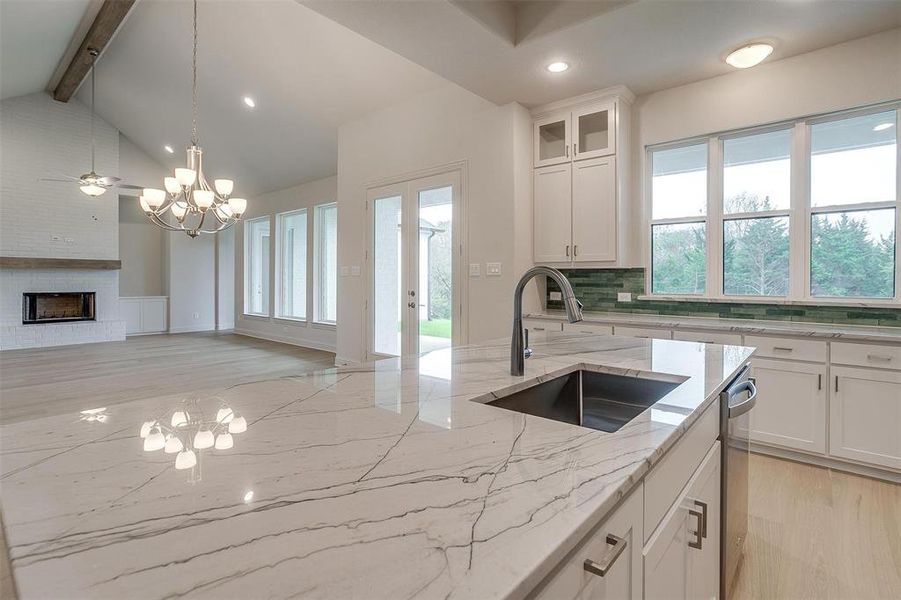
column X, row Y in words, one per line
column 93, row 52
column 194, row 83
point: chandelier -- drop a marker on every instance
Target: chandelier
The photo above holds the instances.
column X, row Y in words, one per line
column 186, row 432
column 195, row 206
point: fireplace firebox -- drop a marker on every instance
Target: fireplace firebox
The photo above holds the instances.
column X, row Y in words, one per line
column 57, row 307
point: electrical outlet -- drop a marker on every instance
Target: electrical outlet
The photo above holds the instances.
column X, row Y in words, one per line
column 345, row 271
column 556, row 295
column 624, row 297
column 196, row 316
column 70, row 240
column 493, row 269
column 55, row 238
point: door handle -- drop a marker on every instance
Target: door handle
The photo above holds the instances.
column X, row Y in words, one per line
column 602, row 567
column 698, row 543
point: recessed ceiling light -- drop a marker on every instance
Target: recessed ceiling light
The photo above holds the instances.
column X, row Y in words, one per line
column 169, row 149
column 250, row 102
column 557, row 67
column 883, row 126
column 749, row 56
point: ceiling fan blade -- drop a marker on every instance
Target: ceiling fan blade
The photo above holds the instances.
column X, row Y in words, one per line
column 126, row 186
column 109, row 180
column 59, row 180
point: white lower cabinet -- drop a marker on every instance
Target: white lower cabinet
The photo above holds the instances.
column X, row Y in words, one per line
column 144, row 314
column 614, row 549
column 588, row 328
column 865, row 416
column 791, row 405
column 682, row 557
column 539, row 328
column 643, row 332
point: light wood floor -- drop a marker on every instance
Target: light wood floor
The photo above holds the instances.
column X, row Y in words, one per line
column 46, row 381
column 820, row 534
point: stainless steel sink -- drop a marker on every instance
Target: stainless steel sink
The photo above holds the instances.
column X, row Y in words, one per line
column 599, row 401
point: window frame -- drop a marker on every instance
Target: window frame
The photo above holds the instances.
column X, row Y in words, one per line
column 248, row 270
column 799, row 214
column 279, row 272
column 319, row 291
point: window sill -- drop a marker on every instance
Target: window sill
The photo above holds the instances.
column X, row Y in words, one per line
column 255, row 316
column 325, row 325
column 838, row 302
column 297, row 321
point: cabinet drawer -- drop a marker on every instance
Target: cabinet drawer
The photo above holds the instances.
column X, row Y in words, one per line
column 787, row 348
column 624, row 578
column 643, row 332
column 539, row 328
column 708, row 337
column 866, row 355
column 666, row 480
column 595, row 328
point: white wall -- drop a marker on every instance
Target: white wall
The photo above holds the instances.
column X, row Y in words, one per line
column 311, row 335
column 856, row 73
column 190, row 269
column 140, row 241
column 40, row 137
column 428, row 131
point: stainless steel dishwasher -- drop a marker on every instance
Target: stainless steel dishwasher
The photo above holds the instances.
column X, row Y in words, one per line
column 736, row 402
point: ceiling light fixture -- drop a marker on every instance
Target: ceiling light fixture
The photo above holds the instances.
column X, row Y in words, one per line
column 558, row 67
column 169, row 149
column 250, row 102
column 196, row 206
column 749, row 56
column 883, row 126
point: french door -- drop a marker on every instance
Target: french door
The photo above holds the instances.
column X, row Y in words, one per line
column 414, row 259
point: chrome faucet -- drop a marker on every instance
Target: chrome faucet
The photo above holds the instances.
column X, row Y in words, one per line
column 573, row 307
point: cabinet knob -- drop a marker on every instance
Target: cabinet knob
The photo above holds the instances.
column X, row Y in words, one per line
column 602, row 567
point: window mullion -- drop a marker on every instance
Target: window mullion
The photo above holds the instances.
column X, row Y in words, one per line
column 715, row 218
column 799, row 219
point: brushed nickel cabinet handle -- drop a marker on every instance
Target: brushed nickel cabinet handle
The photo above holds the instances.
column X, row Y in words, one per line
column 575, row 149
column 782, row 349
column 602, row 567
column 698, row 543
column 819, row 381
column 576, row 253
column 703, row 507
column 879, row 357
column 567, row 250
column 566, row 151
column 836, row 383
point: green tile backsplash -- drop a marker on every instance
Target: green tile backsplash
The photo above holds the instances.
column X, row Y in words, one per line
column 597, row 289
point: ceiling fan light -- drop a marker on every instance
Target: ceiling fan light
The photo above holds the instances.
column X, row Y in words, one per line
column 237, row 205
column 186, row 177
column 224, row 187
column 172, row 185
column 203, row 199
column 749, row 56
column 92, row 189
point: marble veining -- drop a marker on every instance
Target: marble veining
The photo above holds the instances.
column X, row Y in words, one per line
column 851, row 333
column 381, row 481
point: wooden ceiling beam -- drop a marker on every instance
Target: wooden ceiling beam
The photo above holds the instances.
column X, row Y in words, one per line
column 110, row 16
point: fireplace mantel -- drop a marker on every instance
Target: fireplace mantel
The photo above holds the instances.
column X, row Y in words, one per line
column 25, row 262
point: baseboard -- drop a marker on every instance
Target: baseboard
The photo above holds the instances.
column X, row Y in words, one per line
column 225, row 327
column 192, row 328
column 285, row 340
column 827, row 462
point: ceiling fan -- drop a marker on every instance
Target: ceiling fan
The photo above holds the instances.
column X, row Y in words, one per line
column 91, row 183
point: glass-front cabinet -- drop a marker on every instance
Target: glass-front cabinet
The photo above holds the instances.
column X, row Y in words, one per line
column 552, row 140
column 593, row 132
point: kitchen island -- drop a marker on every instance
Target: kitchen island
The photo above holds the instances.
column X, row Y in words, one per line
column 387, row 480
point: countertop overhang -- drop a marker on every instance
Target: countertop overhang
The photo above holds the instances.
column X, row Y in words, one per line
column 379, row 481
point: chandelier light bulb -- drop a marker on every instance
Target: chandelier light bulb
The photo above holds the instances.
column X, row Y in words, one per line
column 173, row 445
column 225, row 415
column 92, row 190
column 238, row 425
column 203, row 439
column 224, row 441
column 179, row 418
column 224, row 187
column 145, row 428
column 154, row 441
column 144, row 205
column 179, row 209
column 186, row 177
column 172, row 185
column 237, row 205
column 154, row 197
column 185, row 459
column 203, row 199
column 224, row 211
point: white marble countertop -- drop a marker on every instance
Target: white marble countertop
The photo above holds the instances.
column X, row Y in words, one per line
column 380, row 481
column 827, row 331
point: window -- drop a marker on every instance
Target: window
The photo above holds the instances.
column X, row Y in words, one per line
column 805, row 210
column 679, row 217
column 292, row 264
column 853, row 200
column 325, row 256
column 756, row 207
column 256, row 266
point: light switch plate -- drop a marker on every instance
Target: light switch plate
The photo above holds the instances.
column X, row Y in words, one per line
column 345, row 271
column 355, row 270
column 475, row 270
column 556, row 295
column 624, row 297
column 493, row 269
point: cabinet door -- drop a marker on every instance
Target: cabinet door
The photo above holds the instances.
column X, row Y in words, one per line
column 594, row 131
column 130, row 312
column 680, row 561
column 791, row 405
column 539, row 328
column 551, row 140
column 643, row 332
column 866, row 416
column 154, row 315
column 553, row 214
column 594, row 210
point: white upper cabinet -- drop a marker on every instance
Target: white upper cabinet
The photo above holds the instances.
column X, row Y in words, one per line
column 553, row 216
column 552, row 140
column 594, row 210
column 594, row 131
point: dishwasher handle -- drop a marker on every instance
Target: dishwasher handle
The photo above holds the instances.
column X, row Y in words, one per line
column 737, row 410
